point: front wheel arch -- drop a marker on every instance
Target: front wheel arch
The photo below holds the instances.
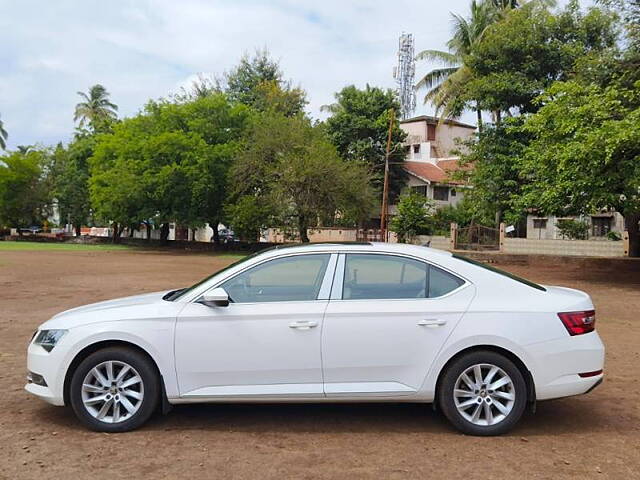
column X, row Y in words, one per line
column 94, row 347
column 526, row 374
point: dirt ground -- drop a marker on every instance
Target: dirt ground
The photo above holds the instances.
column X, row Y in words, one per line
column 592, row 436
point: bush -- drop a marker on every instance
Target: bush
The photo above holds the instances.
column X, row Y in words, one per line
column 413, row 218
column 573, row 229
column 615, row 236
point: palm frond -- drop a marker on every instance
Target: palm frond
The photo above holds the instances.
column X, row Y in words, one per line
column 435, row 77
column 447, row 58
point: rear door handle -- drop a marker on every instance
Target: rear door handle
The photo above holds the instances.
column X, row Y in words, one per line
column 432, row 323
column 303, row 325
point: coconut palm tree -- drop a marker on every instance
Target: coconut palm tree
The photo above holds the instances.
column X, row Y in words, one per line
column 445, row 83
column 3, row 136
column 96, row 108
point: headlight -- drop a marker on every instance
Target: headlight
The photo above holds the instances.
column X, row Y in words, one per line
column 48, row 339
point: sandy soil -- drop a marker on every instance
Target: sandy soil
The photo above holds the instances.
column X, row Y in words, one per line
column 592, row 436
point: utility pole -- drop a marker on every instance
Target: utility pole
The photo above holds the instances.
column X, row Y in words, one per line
column 384, row 213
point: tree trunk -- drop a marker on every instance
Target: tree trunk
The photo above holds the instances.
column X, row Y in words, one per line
column 498, row 117
column 148, row 232
column 114, row 236
column 302, row 229
column 131, row 230
column 479, row 116
column 216, row 235
column 78, row 230
column 164, row 233
column 631, row 224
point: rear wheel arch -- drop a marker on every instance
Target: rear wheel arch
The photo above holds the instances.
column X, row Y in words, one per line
column 526, row 373
column 94, row 347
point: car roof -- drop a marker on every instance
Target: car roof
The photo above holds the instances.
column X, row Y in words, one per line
column 353, row 246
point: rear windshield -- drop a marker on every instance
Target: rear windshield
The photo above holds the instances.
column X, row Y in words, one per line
column 501, row 272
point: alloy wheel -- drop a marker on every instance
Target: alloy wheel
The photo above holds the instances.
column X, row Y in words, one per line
column 112, row 391
column 484, row 394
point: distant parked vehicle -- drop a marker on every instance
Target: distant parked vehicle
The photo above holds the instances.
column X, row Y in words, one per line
column 326, row 323
column 32, row 230
column 226, row 236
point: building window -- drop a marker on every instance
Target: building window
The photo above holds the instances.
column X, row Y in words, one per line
column 416, row 148
column 453, row 192
column 441, row 193
column 600, row 226
column 431, row 132
column 539, row 223
column 420, row 190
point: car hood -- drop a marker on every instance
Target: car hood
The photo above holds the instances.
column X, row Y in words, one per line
column 100, row 311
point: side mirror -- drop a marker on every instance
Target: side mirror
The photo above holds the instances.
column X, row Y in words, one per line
column 218, row 297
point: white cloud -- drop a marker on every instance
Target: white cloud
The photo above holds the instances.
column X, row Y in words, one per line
column 146, row 49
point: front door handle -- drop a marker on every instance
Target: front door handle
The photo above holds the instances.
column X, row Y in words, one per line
column 432, row 323
column 303, row 325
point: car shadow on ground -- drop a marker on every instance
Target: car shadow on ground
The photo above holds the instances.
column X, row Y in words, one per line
column 551, row 418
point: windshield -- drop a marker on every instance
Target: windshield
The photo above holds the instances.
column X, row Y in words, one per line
column 177, row 294
column 501, row 272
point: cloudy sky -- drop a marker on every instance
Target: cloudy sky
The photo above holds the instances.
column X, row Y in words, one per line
column 141, row 49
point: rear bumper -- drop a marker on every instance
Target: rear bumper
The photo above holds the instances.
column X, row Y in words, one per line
column 559, row 363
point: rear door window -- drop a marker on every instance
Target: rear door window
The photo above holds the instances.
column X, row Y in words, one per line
column 374, row 276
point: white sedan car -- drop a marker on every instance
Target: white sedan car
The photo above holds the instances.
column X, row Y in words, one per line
column 326, row 323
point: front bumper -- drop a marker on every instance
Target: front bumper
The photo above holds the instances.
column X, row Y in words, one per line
column 46, row 364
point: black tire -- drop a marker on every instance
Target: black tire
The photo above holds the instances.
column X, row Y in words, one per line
column 445, row 395
column 150, row 380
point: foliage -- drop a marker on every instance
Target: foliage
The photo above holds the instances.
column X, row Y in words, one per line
column 530, row 48
column 96, row 110
column 584, row 153
column 70, row 172
column 614, row 236
column 168, row 163
column 359, row 126
column 446, row 84
column 290, row 166
column 3, row 136
column 24, row 190
column 249, row 215
column 414, row 217
column 573, row 229
column 258, row 82
column 491, row 167
column 464, row 214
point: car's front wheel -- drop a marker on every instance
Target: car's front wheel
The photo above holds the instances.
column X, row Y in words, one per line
column 482, row 393
column 114, row 390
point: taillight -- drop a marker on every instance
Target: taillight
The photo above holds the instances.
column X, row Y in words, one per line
column 578, row 323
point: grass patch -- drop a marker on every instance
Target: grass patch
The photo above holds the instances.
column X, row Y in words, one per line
column 44, row 246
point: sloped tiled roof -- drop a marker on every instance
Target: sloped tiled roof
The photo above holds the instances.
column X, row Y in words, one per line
column 433, row 173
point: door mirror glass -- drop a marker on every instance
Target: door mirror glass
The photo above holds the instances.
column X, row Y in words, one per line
column 218, row 297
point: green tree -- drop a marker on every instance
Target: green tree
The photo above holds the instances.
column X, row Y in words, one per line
column 24, row 191
column 168, row 163
column 249, row 215
column 71, row 180
column 96, row 109
column 413, row 218
column 585, row 153
column 292, row 167
column 490, row 165
column 3, row 136
column 446, row 84
column 358, row 127
column 258, row 82
column 523, row 54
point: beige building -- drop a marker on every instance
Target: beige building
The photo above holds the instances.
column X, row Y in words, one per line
column 430, row 158
column 545, row 227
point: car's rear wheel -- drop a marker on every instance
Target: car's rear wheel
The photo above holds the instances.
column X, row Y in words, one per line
column 482, row 393
column 114, row 390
